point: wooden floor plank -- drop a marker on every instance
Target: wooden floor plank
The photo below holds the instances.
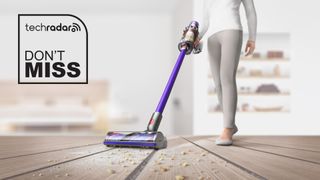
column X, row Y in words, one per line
column 309, row 143
column 115, row 164
column 309, row 156
column 18, row 146
column 268, row 165
column 184, row 159
column 13, row 166
column 193, row 157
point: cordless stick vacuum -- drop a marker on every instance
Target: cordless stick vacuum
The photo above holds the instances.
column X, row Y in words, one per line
column 152, row 138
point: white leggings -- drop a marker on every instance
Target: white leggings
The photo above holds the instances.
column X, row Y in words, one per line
column 224, row 50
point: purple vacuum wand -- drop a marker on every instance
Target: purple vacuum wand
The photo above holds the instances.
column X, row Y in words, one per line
column 186, row 46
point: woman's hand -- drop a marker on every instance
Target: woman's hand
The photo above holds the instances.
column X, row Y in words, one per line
column 251, row 45
column 197, row 42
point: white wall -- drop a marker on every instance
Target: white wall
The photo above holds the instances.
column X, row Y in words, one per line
column 300, row 20
column 183, row 90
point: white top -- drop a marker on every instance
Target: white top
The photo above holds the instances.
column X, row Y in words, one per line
column 221, row 15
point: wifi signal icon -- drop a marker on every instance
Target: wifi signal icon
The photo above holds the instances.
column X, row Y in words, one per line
column 75, row 27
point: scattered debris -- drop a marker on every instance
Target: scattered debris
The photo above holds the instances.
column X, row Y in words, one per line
column 201, row 178
column 179, row 177
column 183, row 153
column 33, row 174
column 67, row 174
column 40, row 174
column 164, row 169
column 50, row 160
column 203, row 154
column 185, row 164
column 111, row 171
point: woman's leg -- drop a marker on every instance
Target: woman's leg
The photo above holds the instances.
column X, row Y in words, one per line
column 214, row 52
column 231, row 42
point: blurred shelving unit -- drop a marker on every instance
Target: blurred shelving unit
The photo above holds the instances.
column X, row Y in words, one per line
column 263, row 79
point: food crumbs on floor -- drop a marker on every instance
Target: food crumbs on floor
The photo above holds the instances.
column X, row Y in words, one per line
column 67, row 174
column 179, row 177
column 111, row 171
column 201, row 178
column 185, row 164
column 203, row 154
column 33, row 174
column 164, row 169
column 183, row 153
column 40, row 174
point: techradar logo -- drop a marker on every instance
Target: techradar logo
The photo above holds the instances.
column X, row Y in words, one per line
column 52, row 49
column 74, row 27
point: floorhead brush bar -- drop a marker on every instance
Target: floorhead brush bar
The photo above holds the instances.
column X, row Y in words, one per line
column 152, row 138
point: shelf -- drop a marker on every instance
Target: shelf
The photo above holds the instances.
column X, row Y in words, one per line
column 263, row 77
column 259, row 77
column 249, row 112
column 265, row 59
column 257, row 94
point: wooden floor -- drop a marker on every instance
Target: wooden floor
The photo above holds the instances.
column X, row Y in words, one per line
column 251, row 157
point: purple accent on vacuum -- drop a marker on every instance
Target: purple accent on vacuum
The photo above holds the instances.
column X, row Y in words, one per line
column 170, row 83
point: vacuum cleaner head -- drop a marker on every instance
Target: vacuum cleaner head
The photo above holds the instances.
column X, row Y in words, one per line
column 145, row 139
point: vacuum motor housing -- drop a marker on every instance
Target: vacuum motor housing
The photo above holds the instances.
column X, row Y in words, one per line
column 190, row 34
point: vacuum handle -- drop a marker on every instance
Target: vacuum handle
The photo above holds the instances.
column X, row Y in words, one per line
column 157, row 115
column 170, row 83
column 186, row 46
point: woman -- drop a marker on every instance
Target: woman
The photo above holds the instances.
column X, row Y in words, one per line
column 221, row 23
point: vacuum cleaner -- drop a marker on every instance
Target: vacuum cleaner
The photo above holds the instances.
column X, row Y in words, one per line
column 152, row 138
